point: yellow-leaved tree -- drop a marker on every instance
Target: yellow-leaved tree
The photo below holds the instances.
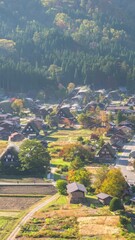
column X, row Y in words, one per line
column 114, row 183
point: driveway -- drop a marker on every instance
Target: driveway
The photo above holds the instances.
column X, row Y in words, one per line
column 123, row 162
column 30, row 215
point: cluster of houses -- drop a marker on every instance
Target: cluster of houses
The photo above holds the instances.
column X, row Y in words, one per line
column 80, row 100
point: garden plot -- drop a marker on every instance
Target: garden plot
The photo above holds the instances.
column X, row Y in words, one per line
column 17, row 203
column 99, row 226
column 33, row 190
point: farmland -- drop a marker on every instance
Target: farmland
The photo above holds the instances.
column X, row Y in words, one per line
column 6, row 225
column 64, row 221
column 17, row 203
column 61, row 138
column 27, row 190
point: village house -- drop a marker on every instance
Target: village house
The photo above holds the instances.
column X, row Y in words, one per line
column 106, row 154
column 118, row 140
column 16, row 137
column 5, row 116
column 126, row 124
column 131, row 101
column 10, row 156
column 127, row 130
column 5, row 106
column 104, row 198
column 15, row 121
column 6, row 128
column 43, row 112
column 76, row 192
column 114, row 95
column 64, row 113
column 32, row 127
column 115, row 109
column 111, row 131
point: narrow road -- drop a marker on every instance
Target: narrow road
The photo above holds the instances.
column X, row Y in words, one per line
column 123, row 162
column 29, row 215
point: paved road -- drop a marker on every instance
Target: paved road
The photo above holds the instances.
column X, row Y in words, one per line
column 123, row 162
column 29, row 215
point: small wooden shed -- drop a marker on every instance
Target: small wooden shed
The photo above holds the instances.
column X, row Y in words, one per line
column 76, row 192
column 104, row 198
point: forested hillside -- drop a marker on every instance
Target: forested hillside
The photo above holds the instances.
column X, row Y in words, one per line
column 46, row 44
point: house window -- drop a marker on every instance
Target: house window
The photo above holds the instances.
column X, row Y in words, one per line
column 9, row 155
column 6, row 159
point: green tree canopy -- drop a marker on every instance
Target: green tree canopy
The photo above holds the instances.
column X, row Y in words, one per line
column 34, row 157
column 81, row 175
column 61, row 186
column 72, row 151
column 116, row 204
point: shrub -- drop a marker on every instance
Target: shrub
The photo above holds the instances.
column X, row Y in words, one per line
column 61, row 186
column 64, row 168
column 124, row 220
column 116, row 204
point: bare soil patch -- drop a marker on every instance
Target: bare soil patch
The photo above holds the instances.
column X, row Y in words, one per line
column 41, row 190
column 17, row 203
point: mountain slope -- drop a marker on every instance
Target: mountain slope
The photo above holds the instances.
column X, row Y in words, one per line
column 81, row 41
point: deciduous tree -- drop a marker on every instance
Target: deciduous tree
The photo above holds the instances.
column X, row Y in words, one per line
column 114, row 183
column 34, row 157
column 81, row 175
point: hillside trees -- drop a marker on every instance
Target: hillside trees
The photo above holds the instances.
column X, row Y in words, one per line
column 85, row 42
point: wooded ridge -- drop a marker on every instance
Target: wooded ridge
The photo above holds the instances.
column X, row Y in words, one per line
column 47, row 44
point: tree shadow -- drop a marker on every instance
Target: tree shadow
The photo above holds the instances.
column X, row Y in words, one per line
column 93, row 202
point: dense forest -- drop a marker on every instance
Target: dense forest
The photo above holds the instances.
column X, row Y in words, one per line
column 46, row 44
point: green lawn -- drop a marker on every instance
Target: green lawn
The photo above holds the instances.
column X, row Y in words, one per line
column 61, row 201
column 59, row 162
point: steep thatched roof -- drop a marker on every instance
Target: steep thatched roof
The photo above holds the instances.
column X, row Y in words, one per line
column 12, row 148
column 110, row 149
